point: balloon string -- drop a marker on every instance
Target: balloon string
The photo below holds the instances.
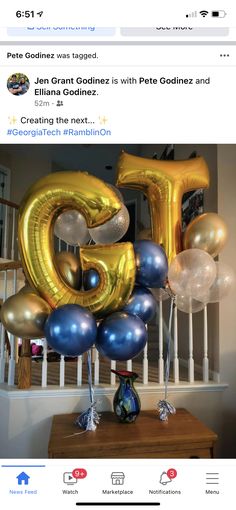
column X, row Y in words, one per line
column 167, row 364
column 89, row 419
column 89, row 365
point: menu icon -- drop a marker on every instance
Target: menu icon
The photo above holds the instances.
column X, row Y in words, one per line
column 212, row 478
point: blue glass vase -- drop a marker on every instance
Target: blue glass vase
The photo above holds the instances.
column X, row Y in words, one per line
column 126, row 402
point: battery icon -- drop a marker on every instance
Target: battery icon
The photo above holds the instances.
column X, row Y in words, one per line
column 218, row 14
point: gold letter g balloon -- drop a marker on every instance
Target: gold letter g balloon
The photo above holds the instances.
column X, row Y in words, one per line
column 115, row 264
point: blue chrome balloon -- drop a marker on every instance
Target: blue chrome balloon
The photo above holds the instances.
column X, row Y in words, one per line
column 71, row 330
column 121, row 336
column 151, row 264
column 141, row 303
column 91, row 279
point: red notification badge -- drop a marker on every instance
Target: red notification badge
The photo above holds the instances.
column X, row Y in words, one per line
column 171, row 473
column 79, row 473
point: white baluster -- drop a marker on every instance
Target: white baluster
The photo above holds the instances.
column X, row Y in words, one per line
column 129, row 365
column 67, row 247
column 205, row 347
column 45, row 365
column 2, row 357
column 145, row 364
column 12, row 363
column 113, row 376
column 190, row 340
column 11, row 370
column 96, row 366
column 161, row 359
column 176, row 359
column 79, row 370
column 5, row 238
column 13, row 234
column 59, row 245
column 17, row 338
column 62, row 371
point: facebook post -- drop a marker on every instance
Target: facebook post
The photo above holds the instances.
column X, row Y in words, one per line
column 117, row 265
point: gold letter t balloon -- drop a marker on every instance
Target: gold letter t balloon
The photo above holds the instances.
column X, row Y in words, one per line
column 164, row 183
column 115, row 264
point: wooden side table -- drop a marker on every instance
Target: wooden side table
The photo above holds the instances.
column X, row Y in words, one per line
column 183, row 436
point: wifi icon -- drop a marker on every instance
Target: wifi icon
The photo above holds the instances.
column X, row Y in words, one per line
column 204, row 13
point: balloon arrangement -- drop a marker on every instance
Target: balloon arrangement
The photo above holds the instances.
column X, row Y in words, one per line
column 109, row 283
column 194, row 278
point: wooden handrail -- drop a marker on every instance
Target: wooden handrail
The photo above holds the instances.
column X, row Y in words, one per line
column 7, row 202
column 5, row 266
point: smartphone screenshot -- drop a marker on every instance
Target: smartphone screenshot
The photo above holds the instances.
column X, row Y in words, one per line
column 117, row 255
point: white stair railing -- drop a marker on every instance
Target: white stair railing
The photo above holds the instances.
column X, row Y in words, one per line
column 11, row 280
column 8, row 246
column 205, row 348
column 62, row 372
column 176, row 359
column 161, row 359
column 145, row 364
column 45, row 365
column 190, row 343
column 79, row 370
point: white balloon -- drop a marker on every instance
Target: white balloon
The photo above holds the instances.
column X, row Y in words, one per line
column 192, row 273
column 71, row 227
column 113, row 229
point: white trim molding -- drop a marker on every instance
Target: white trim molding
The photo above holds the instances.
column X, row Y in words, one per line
column 10, row 392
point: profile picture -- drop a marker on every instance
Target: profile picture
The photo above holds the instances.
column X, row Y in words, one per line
column 18, row 84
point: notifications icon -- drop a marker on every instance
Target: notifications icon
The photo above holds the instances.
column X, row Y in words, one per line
column 168, row 476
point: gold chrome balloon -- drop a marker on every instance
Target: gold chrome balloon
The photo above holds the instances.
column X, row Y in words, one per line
column 207, row 232
column 69, row 268
column 24, row 315
column 38, row 211
column 164, row 183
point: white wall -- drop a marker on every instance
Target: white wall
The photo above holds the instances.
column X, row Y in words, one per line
column 227, row 316
column 27, row 165
column 25, row 422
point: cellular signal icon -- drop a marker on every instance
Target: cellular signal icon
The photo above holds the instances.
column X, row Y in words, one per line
column 192, row 14
column 204, row 13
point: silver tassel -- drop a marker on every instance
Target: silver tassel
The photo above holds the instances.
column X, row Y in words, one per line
column 89, row 419
column 164, row 409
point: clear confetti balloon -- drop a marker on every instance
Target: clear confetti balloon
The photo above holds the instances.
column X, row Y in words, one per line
column 160, row 294
column 113, row 230
column 222, row 285
column 192, row 273
column 71, row 227
column 188, row 304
